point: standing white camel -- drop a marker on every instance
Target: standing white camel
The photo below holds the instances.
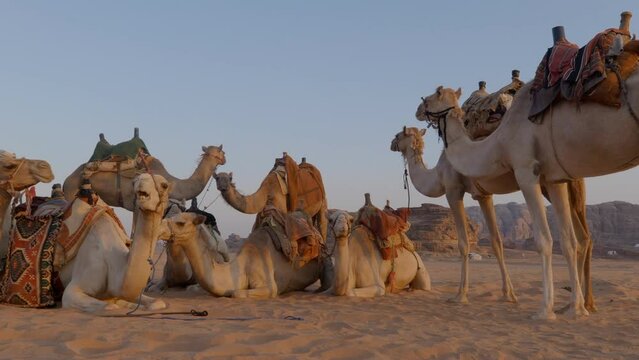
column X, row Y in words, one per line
column 568, row 143
column 443, row 179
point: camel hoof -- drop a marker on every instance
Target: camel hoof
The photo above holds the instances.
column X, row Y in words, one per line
column 509, row 297
column 111, row 307
column 156, row 305
column 545, row 315
column 458, row 300
column 592, row 308
column 578, row 312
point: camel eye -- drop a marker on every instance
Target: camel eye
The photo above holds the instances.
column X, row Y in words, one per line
column 10, row 166
column 165, row 186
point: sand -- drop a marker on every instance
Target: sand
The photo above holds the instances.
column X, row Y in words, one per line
column 410, row 325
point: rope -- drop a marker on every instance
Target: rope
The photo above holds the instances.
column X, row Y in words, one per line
column 212, row 202
column 624, row 90
column 199, row 314
column 206, row 192
column 406, row 184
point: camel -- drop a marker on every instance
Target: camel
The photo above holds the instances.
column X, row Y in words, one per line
column 276, row 187
column 443, row 179
column 105, row 183
column 259, row 270
column 17, row 174
column 177, row 270
column 105, row 274
column 567, row 143
column 360, row 270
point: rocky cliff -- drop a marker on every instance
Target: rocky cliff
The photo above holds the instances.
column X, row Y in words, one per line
column 433, row 228
column 613, row 225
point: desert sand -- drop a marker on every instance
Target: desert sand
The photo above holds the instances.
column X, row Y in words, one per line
column 409, row 325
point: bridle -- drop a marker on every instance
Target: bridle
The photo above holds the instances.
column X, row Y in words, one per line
column 437, row 120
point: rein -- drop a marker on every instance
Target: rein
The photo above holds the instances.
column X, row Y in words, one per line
column 406, row 184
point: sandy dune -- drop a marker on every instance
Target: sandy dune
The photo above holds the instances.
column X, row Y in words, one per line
column 405, row 326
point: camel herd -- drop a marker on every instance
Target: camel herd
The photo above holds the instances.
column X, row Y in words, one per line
column 103, row 268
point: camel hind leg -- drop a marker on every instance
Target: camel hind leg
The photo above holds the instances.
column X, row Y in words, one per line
column 261, row 279
column 488, row 209
column 577, row 197
column 422, row 278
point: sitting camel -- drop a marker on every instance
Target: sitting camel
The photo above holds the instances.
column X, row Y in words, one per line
column 360, row 269
column 260, row 270
column 17, row 174
column 116, row 189
column 285, row 184
column 443, row 179
column 177, row 270
column 105, row 274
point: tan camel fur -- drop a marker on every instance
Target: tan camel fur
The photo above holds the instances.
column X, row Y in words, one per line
column 177, row 270
column 360, row 270
column 315, row 205
column 258, row 271
column 105, row 183
column 17, row 174
column 443, row 179
column 105, row 274
column 569, row 143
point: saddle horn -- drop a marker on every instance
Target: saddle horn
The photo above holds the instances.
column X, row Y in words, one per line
column 367, row 200
column 136, row 132
column 624, row 23
column 558, row 34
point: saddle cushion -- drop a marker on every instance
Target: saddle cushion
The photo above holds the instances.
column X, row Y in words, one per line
column 572, row 72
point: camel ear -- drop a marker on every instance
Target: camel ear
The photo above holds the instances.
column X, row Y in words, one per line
column 405, row 131
column 439, row 90
column 199, row 219
column 221, row 146
column 231, row 175
column 422, row 131
column 458, row 93
column 204, row 148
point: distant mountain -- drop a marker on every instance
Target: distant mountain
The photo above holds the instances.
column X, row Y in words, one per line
column 613, row 225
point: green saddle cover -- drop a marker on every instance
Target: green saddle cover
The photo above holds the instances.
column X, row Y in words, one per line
column 119, row 152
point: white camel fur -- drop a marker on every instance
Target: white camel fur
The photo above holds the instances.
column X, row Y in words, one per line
column 258, row 271
column 569, row 143
column 105, row 274
column 443, row 179
column 360, row 270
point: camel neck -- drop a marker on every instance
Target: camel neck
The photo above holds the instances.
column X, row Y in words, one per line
column 213, row 277
column 426, row 181
column 475, row 159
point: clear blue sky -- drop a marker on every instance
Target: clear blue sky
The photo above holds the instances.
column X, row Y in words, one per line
column 329, row 80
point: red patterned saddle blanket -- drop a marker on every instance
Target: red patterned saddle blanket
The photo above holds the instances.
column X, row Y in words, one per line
column 39, row 246
column 388, row 228
column 572, row 72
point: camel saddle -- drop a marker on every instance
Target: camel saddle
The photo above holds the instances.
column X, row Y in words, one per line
column 388, row 228
column 572, row 73
column 483, row 111
column 293, row 234
column 127, row 158
column 303, row 182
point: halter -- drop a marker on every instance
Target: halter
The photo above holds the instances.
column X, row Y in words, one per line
column 439, row 118
column 335, row 234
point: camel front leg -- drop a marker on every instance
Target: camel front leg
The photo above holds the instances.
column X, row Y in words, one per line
column 456, row 203
column 369, row 291
column 488, row 209
column 74, row 297
column 528, row 182
column 263, row 292
column 559, row 196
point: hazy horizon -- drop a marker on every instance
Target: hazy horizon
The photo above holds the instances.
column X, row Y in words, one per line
column 331, row 81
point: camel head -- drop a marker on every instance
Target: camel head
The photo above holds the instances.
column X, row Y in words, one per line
column 214, row 152
column 224, row 181
column 437, row 105
column 340, row 223
column 151, row 192
column 19, row 174
column 181, row 227
column 409, row 138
